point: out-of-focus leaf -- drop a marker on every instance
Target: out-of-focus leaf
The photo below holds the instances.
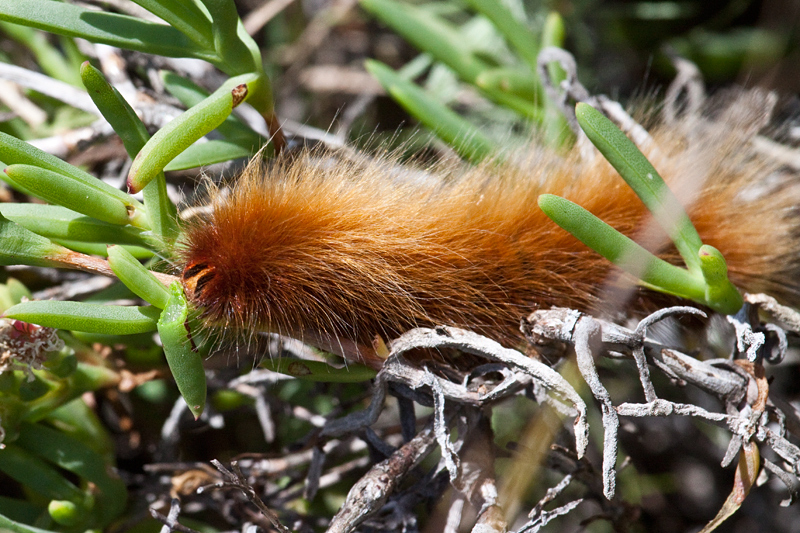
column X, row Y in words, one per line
column 432, row 34
column 52, row 62
column 7, row 524
column 511, row 80
column 207, row 153
column 521, row 38
column 33, row 472
column 319, row 371
column 73, row 455
column 557, row 132
column 465, row 138
column 183, row 15
column 745, row 478
column 103, row 27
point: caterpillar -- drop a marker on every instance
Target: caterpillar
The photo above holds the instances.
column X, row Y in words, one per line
column 336, row 251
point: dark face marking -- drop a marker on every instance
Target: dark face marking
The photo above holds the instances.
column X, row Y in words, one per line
column 202, row 280
column 193, row 270
column 195, row 278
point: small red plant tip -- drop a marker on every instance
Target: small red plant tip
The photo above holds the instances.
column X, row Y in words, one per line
column 23, row 328
column 132, row 189
column 238, row 93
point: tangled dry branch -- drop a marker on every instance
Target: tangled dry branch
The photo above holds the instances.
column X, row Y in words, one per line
column 458, row 427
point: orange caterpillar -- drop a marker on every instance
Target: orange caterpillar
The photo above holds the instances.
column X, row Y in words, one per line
column 335, row 252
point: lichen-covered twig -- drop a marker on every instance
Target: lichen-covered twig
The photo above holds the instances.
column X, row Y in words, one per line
column 170, row 521
column 587, row 337
column 539, row 517
column 371, row 492
column 727, row 381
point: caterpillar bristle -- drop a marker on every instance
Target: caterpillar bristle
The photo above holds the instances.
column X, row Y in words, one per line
column 339, row 250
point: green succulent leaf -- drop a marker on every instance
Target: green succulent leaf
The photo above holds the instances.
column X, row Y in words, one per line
column 642, row 177
column 190, row 94
column 79, row 196
column 719, row 288
column 88, row 317
column 184, row 130
column 712, row 289
column 14, row 151
column 230, row 40
column 707, row 271
column 162, row 213
column 115, row 109
column 185, row 360
column 136, row 277
column 59, row 223
column 240, row 141
column 185, row 16
column 202, row 154
column 73, row 455
column 18, row 246
column 101, row 249
column 655, row 273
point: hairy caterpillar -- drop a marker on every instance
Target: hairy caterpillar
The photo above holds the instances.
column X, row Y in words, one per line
column 335, row 251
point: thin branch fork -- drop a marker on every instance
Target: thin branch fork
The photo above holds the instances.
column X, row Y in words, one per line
column 170, row 521
column 729, row 381
column 237, row 480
